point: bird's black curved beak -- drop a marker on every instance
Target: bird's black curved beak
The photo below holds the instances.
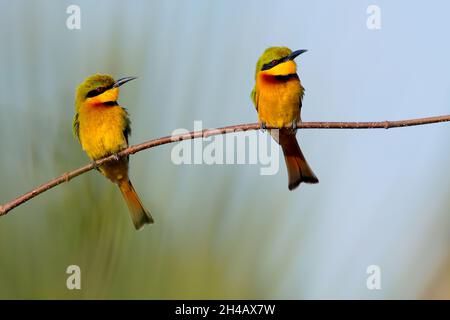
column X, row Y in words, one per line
column 122, row 81
column 296, row 53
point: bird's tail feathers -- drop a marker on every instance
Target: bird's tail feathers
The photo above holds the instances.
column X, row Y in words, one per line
column 139, row 214
column 297, row 167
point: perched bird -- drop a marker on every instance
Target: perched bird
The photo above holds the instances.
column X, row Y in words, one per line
column 102, row 127
column 277, row 96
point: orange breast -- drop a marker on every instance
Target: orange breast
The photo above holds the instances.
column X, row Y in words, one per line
column 278, row 101
column 101, row 130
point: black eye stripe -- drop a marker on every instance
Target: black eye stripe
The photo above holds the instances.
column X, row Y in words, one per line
column 273, row 63
column 269, row 65
column 97, row 91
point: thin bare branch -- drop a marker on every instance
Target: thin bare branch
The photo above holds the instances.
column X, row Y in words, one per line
column 4, row 209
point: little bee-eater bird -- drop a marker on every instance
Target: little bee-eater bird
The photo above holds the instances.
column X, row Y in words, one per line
column 277, row 96
column 102, row 127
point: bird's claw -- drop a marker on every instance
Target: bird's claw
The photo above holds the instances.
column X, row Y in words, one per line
column 294, row 125
column 262, row 126
column 94, row 164
column 115, row 157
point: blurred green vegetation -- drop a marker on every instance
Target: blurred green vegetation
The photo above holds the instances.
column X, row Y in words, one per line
column 85, row 222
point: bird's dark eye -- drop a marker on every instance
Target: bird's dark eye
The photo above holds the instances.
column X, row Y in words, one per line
column 95, row 92
column 270, row 64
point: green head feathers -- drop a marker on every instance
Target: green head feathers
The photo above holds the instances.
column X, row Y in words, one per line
column 275, row 55
column 97, row 84
column 272, row 53
column 92, row 83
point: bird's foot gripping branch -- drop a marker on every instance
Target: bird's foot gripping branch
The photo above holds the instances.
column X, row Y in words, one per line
column 7, row 207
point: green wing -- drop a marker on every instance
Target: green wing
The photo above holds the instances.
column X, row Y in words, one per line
column 127, row 126
column 254, row 98
column 76, row 126
column 302, row 93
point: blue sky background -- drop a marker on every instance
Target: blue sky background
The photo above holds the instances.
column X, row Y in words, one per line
column 382, row 197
